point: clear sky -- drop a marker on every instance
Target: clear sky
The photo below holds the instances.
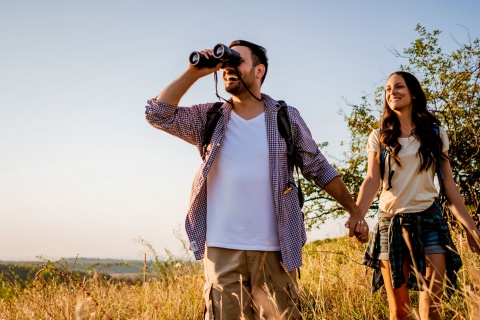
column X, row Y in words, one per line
column 82, row 172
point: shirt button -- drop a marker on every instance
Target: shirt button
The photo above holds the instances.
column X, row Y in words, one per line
column 218, row 144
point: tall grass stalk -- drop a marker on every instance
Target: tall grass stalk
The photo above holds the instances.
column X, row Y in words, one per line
column 333, row 285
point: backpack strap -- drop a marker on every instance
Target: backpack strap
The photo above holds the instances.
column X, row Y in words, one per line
column 213, row 114
column 439, row 170
column 383, row 155
column 283, row 123
column 436, row 128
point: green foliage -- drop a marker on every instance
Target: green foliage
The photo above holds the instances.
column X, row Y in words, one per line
column 451, row 84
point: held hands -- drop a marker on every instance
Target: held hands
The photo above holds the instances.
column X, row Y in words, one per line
column 358, row 228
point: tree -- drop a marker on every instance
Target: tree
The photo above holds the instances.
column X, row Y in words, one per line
column 451, row 84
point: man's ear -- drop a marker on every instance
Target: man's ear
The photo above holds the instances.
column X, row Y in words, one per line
column 259, row 71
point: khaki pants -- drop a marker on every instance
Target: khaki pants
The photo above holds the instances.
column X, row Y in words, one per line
column 248, row 284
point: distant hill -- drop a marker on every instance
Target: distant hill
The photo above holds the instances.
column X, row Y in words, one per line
column 107, row 266
column 22, row 274
column 16, row 273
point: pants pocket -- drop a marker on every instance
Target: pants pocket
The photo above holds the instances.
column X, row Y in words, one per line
column 208, row 310
column 287, row 301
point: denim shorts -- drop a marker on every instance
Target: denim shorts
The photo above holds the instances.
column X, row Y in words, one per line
column 430, row 238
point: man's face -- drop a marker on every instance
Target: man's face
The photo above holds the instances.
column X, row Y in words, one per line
column 233, row 84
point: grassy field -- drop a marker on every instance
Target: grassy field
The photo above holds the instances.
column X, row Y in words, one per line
column 333, row 286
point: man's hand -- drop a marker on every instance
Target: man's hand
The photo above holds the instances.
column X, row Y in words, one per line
column 356, row 223
column 177, row 89
column 358, row 228
column 201, row 72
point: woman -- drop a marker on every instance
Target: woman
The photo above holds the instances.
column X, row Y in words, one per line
column 411, row 246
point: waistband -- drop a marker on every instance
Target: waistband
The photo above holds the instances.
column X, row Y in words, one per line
column 434, row 208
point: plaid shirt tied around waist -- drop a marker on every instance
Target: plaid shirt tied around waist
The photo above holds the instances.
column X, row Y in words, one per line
column 412, row 224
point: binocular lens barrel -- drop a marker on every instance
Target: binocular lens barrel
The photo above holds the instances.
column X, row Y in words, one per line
column 221, row 53
column 224, row 53
column 194, row 58
column 200, row 61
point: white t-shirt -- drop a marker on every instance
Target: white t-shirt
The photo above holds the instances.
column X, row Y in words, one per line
column 240, row 208
column 412, row 191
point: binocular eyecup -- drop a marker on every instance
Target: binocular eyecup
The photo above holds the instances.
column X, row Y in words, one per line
column 221, row 53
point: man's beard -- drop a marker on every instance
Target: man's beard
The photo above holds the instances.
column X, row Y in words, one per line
column 235, row 88
column 238, row 87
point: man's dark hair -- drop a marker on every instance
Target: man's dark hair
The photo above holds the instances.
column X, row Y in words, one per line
column 259, row 53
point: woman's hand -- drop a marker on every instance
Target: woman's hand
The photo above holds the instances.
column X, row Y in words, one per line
column 473, row 238
column 361, row 230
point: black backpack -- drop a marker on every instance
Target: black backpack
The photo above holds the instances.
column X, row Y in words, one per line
column 283, row 122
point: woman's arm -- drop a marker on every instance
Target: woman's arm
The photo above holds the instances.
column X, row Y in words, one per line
column 457, row 206
column 371, row 184
column 367, row 192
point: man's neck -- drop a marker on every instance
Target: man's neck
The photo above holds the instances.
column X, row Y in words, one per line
column 248, row 108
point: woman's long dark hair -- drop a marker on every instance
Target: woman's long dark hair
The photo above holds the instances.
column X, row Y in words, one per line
column 431, row 145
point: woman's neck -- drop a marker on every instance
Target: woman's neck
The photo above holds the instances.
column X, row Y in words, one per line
column 406, row 125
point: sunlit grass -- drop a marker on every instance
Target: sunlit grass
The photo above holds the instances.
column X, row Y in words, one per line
column 333, row 285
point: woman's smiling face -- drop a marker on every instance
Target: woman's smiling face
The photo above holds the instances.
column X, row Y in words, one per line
column 397, row 94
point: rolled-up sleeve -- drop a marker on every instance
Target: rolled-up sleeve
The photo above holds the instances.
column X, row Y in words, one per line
column 183, row 122
column 157, row 112
column 315, row 166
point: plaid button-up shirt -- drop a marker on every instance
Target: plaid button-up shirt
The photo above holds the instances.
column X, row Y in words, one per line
column 188, row 123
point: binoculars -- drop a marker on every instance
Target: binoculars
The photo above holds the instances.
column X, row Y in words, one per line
column 221, row 53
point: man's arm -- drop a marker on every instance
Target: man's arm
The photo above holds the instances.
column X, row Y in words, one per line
column 177, row 89
column 163, row 112
column 316, row 168
column 356, row 224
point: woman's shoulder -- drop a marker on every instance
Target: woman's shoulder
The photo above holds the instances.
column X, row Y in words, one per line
column 373, row 143
column 442, row 132
column 375, row 134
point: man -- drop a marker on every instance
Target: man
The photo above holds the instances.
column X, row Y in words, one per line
column 244, row 218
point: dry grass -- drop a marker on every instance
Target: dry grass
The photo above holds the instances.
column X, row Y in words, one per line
column 333, row 286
